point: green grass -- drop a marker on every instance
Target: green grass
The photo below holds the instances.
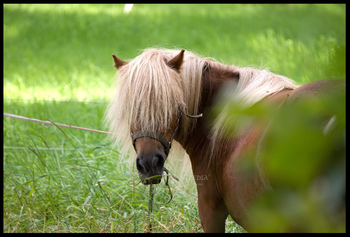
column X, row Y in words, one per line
column 63, row 52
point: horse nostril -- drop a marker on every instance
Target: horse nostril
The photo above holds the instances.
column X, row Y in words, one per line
column 139, row 166
column 158, row 161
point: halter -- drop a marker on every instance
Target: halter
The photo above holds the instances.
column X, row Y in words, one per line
column 158, row 137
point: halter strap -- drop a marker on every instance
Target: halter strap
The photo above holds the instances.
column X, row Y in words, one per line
column 158, row 137
column 153, row 135
column 195, row 116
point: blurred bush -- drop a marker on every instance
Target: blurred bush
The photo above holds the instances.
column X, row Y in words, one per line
column 303, row 159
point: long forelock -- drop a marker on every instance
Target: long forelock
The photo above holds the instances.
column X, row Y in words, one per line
column 149, row 93
column 153, row 96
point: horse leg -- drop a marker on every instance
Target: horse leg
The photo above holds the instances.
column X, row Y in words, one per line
column 212, row 212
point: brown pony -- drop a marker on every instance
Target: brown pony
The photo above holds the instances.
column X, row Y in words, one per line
column 160, row 96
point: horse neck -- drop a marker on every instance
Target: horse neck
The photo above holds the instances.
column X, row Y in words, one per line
column 197, row 143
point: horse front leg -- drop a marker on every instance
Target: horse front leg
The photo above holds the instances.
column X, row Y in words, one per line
column 212, row 212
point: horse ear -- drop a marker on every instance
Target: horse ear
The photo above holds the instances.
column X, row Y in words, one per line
column 177, row 61
column 117, row 62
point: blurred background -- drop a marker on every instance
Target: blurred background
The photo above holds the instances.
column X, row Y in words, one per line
column 63, row 51
column 58, row 65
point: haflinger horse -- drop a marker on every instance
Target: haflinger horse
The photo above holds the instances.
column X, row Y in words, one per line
column 161, row 95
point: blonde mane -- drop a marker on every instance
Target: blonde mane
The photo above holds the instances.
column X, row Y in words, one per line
column 149, row 93
column 252, row 86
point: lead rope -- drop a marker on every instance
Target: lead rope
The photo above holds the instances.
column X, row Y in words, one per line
column 150, row 208
column 150, row 200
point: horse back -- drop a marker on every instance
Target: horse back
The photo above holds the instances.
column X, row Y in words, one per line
column 316, row 89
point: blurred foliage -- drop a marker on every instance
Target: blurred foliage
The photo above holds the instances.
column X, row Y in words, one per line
column 63, row 51
column 302, row 159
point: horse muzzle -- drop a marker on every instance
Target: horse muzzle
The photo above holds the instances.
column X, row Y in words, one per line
column 150, row 168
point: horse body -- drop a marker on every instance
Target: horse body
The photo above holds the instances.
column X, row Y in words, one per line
column 224, row 191
column 224, row 186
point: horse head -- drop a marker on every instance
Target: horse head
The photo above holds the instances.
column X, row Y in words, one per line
column 152, row 147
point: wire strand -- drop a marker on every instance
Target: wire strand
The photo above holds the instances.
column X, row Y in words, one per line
column 50, row 123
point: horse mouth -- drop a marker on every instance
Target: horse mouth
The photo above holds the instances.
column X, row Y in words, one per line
column 151, row 180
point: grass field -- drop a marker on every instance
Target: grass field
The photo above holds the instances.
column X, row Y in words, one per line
column 55, row 55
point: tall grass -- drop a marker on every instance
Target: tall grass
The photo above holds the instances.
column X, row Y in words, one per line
column 62, row 52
